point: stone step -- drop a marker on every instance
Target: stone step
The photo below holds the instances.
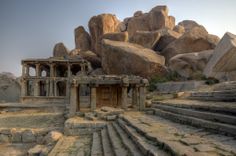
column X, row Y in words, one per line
column 218, row 127
column 215, row 117
column 214, row 107
column 132, row 148
column 117, row 145
column 164, row 147
column 146, row 146
column 96, row 145
column 177, row 138
column 106, row 144
column 227, row 95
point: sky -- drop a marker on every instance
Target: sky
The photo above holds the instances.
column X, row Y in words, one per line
column 31, row 28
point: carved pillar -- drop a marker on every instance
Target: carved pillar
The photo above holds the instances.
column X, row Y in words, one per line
column 51, row 87
column 73, row 100
column 37, row 69
column 93, row 97
column 47, row 87
column 124, row 97
column 142, row 94
column 36, row 88
column 52, row 70
column 23, row 87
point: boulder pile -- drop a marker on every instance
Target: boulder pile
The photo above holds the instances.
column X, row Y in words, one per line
column 151, row 44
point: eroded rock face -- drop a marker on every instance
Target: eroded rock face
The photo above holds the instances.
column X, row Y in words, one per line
column 147, row 39
column 179, row 29
column 127, row 58
column 60, row 50
column 190, row 65
column 100, row 25
column 82, row 39
column 196, row 40
column 9, row 88
column 223, row 58
column 92, row 58
column 156, row 19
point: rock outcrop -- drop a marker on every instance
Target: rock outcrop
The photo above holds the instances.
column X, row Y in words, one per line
column 156, row 19
column 92, row 58
column 60, row 50
column 82, row 39
column 223, row 58
column 195, row 40
column 9, row 88
column 100, row 25
column 128, row 58
column 147, row 39
column 179, row 29
column 116, row 36
column 190, row 65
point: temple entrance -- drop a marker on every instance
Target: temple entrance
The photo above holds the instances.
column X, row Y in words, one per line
column 83, row 96
column 108, row 95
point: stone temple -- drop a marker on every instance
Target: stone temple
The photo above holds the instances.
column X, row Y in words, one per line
column 144, row 86
column 66, row 81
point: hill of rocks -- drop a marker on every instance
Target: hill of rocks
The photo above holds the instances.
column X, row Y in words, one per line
column 151, row 44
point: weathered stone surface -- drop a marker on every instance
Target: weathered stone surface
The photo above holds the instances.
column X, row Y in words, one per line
column 60, row 50
column 128, row 58
column 52, row 137
column 147, row 39
column 196, row 40
column 38, row 150
column 98, row 71
column 190, row 65
column 9, row 88
column 122, row 27
column 188, row 24
column 156, row 19
column 138, row 13
column 15, row 136
column 4, row 138
column 179, row 29
column 100, row 25
column 167, row 36
column 28, row 136
column 116, row 36
column 223, row 58
column 82, row 39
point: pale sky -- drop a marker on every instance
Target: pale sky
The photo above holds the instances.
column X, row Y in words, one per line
column 30, row 28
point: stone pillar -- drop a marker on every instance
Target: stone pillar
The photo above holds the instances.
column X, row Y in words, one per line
column 52, row 70
column 93, row 98
column 37, row 69
column 36, row 88
column 124, row 97
column 73, row 100
column 142, row 98
column 51, row 87
column 69, row 71
column 135, row 97
column 23, row 70
column 27, row 70
column 47, row 87
column 55, row 88
column 23, row 88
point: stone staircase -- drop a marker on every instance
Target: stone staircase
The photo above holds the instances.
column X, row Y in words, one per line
column 120, row 139
column 199, row 116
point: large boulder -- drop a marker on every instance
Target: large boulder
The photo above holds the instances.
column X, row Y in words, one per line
column 60, row 50
column 188, row 24
column 127, row 58
column 167, row 36
column 9, row 88
column 156, row 19
column 195, row 40
column 92, row 58
column 100, row 25
column 82, row 39
column 223, row 58
column 190, row 65
column 116, row 36
column 179, row 29
column 147, row 39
